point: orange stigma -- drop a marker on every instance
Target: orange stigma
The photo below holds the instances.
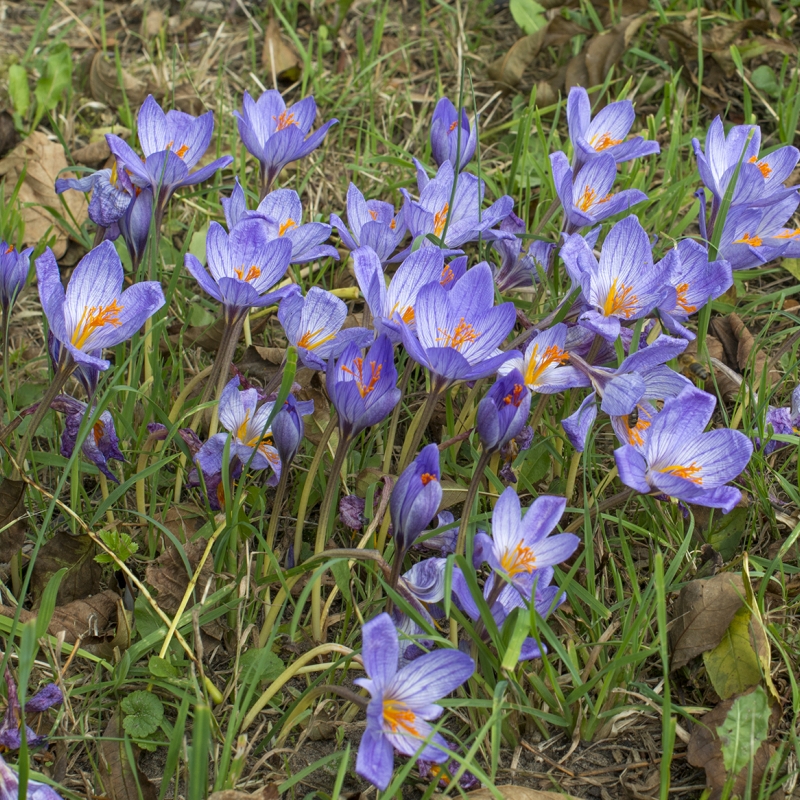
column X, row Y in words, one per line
column 453, row 126
column 620, row 302
column 182, row 150
column 753, row 241
column 681, row 289
column 98, row 430
column 307, row 340
column 373, row 214
column 463, row 334
column 602, row 141
column 537, row 366
column 398, row 716
column 766, row 169
column 284, row 121
column 426, row 478
column 788, row 233
column 290, row 223
column 252, row 273
column 9, row 249
column 440, row 219
column 94, row 318
column 447, row 275
column 364, row 386
column 407, row 314
column 515, row 397
column 690, row 473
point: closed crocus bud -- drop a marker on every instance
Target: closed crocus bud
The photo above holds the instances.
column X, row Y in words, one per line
column 14, row 266
column 504, row 411
column 416, row 498
column 288, row 428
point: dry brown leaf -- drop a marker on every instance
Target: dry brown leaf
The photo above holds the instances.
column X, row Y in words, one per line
column 94, row 154
column 45, row 161
column 76, row 553
column 576, row 74
column 13, row 518
column 183, row 521
column 519, row 793
column 104, row 83
column 605, row 50
column 703, row 612
column 122, row 780
column 269, row 792
column 745, row 357
column 279, row 56
column 728, row 387
column 9, row 137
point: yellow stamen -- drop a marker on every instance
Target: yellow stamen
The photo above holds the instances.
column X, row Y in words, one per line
column 252, row 273
column 364, row 386
column 284, row 121
column 620, row 302
column 290, row 223
column 586, row 200
column 440, row 219
column 635, row 433
column 602, row 141
column 520, row 559
column 765, row 168
column 536, row 366
column 114, row 175
column 94, row 318
column 754, row 241
column 307, row 339
column 398, row 715
column 463, row 334
column 682, row 288
column 690, row 473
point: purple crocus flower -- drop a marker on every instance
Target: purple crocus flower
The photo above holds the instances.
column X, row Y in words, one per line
column 544, row 367
column 520, row 267
column 363, row 389
column 681, row 461
column 444, row 542
column 172, row 143
column 465, row 221
column 283, row 212
column 415, row 498
column 288, row 429
column 373, row 223
column 694, row 281
column 760, row 180
column 522, row 544
column 624, row 285
column 94, row 313
column 586, row 194
column 110, row 195
column 402, row 701
column 245, row 265
column 605, row 133
column 313, row 324
column 393, row 305
column 88, row 376
column 9, row 786
column 100, row 445
column 458, row 332
column 10, row 735
column 423, row 588
column 503, row 411
column 14, row 267
column 134, row 225
column 452, row 139
column 277, row 135
column 784, row 422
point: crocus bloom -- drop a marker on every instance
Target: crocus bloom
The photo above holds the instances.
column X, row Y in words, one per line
column 172, row 143
column 363, row 389
column 545, row 366
column 624, row 285
column 784, row 421
column 402, row 701
column 503, row 411
column 372, row 223
column 277, row 135
column 134, row 225
column 518, row 266
column 394, row 305
column 94, row 313
column 245, row 265
column 605, row 133
column 458, row 333
column 415, row 498
column 101, row 443
column 452, row 139
column 288, row 428
column 423, row 588
column 313, row 324
column 682, row 461
column 760, row 180
column 88, row 376
column 283, row 212
column 9, row 786
column 10, row 736
column 586, row 195
column 14, row 267
column 465, row 221
column 110, row 196
column 694, row 281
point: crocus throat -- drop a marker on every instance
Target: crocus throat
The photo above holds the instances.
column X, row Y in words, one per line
column 514, row 397
column 463, row 334
column 365, row 386
column 309, row 339
column 284, row 120
column 520, row 559
column 620, row 302
column 440, row 219
column 426, row 478
column 589, row 198
column 682, row 289
column 690, row 473
column 602, row 141
column 181, row 151
column 407, row 314
column 635, row 433
column 290, row 223
column 252, row 273
column 398, row 716
column 95, row 317
column 552, row 355
column 765, row 168
column 753, row 241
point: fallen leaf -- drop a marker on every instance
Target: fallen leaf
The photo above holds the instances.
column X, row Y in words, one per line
column 44, row 161
column 76, row 553
column 279, row 57
column 746, row 358
column 9, row 137
column 94, row 154
column 606, row 49
column 104, row 83
column 733, row 665
column 518, row 793
column 724, row 382
column 183, row 521
column 122, row 780
column 13, row 518
column 269, row 792
column 703, row 612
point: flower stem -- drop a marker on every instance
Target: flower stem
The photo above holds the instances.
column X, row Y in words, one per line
column 574, row 463
column 472, row 493
column 422, row 419
column 387, row 455
column 6, row 318
column 538, row 411
column 331, row 491
column 277, row 504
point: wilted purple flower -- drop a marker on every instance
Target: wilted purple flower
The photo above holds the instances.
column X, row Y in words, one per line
column 394, row 305
column 465, row 221
column 605, row 133
column 680, row 460
column 586, row 195
column 694, row 281
column 373, row 223
column 14, row 267
column 784, row 422
column 363, row 389
column 10, row 735
column 545, row 366
column 172, row 143
column 458, row 332
column 444, row 542
column 351, row 511
column 624, row 285
column 503, row 411
column 288, row 429
column 760, row 180
column 93, row 313
column 415, row 498
column 9, row 786
column 245, row 265
column 283, row 213
column 510, row 450
column 100, row 445
column 110, row 195
column 276, row 135
column 313, row 324
column 429, row 771
column 402, row 701
column 520, row 267
column 452, row 139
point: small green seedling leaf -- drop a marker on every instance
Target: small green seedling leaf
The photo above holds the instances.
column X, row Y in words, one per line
column 55, row 80
column 528, row 14
column 765, row 79
column 122, row 545
column 745, row 729
column 161, row 668
column 143, row 713
column 18, row 89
